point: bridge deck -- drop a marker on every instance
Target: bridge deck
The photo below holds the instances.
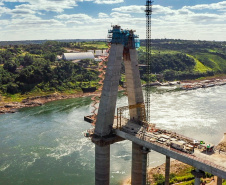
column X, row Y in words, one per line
column 213, row 162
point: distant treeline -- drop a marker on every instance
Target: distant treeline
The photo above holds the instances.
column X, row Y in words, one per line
column 25, row 42
column 33, row 67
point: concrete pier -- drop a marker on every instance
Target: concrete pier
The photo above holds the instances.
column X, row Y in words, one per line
column 219, row 181
column 144, row 165
column 198, row 174
column 197, row 180
column 102, row 165
column 136, row 174
column 167, row 170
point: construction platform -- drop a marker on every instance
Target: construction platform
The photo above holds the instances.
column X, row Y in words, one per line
column 202, row 156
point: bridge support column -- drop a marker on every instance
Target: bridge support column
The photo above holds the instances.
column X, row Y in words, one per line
column 198, row 174
column 144, row 165
column 167, row 170
column 102, row 165
column 137, row 157
column 219, row 181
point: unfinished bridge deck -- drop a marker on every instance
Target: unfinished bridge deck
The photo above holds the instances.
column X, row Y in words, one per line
column 214, row 162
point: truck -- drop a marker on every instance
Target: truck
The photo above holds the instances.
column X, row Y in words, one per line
column 182, row 146
column 177, row 145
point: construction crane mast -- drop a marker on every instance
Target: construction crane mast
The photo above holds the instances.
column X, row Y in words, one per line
column 148, row 11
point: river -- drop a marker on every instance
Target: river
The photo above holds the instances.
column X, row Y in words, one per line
column 45, row 145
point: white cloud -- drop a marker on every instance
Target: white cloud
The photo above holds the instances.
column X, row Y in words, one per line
column 21, row 12
column 157, row 9
column 213, row 6
column 46, row 5
column 120, row 15
column 130, row 9
column 55, row 5
column 73, row 17
column 3, row 10
column 4, row 22
column 108, row 1
column 183, row 23
column 103, row 15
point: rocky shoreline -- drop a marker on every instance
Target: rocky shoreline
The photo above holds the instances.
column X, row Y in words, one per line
column 202, row 84
column 37, row 101
column 13, row 107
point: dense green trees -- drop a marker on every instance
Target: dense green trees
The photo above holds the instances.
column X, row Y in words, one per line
column 180, row 59
column 171, row 66
column 28, row 67
column 176, row 62
column 36, row 69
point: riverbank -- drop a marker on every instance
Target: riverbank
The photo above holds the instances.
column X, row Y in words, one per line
column 176, row 167
column 203, row 83
column 10, row 106
column 13, row 106
column 180, row 173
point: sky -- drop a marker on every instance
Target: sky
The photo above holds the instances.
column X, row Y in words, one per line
column 91, row 19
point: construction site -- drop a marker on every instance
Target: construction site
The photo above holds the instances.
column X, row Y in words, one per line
column 132, row 122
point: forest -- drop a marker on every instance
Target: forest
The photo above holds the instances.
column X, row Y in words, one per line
column 32, row 67
column 181, row 59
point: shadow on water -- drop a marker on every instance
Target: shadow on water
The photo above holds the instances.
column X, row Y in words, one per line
column 57, row 106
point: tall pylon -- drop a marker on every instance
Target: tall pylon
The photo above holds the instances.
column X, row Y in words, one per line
column 123, row 48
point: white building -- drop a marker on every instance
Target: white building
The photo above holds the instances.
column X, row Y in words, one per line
column 91, row 51
column 105, row 52
column 77, row 56
column 98, row 53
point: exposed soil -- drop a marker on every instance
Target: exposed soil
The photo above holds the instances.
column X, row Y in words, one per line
column 222, row 145
column 175, row 167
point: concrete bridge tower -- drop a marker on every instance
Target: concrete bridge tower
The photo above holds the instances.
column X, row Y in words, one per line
column 123, row 47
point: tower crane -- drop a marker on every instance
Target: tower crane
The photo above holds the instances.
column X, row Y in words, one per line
column 148, row 11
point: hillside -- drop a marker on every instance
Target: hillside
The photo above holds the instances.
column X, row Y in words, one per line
column 32, row 68
column 180, row 59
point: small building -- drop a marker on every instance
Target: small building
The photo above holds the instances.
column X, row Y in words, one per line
column 98, row 53
column 77, row 56
column 105, row 53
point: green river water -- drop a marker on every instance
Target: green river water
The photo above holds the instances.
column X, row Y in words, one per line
column 45, row 145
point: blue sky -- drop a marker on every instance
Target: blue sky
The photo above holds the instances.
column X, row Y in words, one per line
column 91, row 19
